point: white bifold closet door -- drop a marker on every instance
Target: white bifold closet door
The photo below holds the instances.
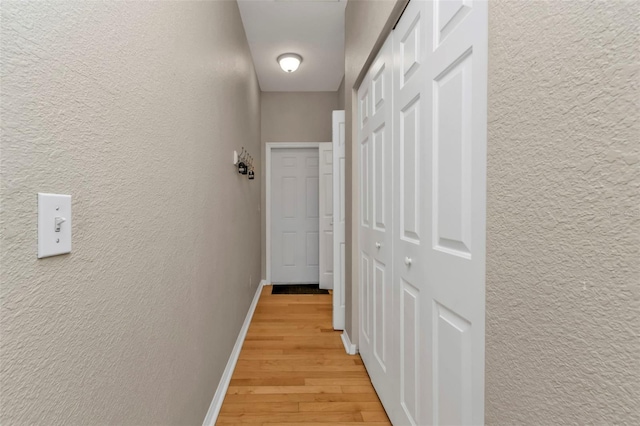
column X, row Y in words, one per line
column 434, row 361
column 376, row 243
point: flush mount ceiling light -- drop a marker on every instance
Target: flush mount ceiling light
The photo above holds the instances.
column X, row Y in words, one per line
column 289, row 62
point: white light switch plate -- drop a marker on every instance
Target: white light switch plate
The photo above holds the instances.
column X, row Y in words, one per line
column 54, row 208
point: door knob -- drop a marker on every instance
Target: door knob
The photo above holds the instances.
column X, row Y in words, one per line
column 378, row 245
column 407, row 261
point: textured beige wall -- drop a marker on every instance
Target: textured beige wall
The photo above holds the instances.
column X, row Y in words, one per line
column 293, row 117
column 366, row 25
column 297, row 116
column 133, row 108
column 563, row 225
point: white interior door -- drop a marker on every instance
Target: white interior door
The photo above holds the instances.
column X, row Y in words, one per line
column 325, row 154
column 294, row 216
column 338, row 219
column 376, row 242
column 440, row 111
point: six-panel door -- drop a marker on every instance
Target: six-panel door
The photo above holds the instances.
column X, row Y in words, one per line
column 376, row 241
column 294, row 216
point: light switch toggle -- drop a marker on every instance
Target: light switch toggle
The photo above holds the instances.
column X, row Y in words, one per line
column 54, row 209
column 59, row 221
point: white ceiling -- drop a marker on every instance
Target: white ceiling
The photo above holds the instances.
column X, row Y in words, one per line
column 313, row 29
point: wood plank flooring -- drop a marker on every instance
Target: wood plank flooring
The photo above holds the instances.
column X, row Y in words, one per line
column 293, row 369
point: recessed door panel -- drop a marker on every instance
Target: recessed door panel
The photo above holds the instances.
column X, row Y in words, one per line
column 364, row 108
column 381, row 298
column 409, row 343
column 410, row 46
column 378, row 83
column 452, row 168
column 410, row 170
column 448, row 14
column 365, row 182
column 366, row 296
column 451, row 367
column 380, row 178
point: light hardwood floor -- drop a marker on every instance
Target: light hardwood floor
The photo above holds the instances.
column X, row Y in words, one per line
column 293, row 369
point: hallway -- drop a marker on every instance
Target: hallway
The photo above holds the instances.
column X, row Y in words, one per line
column 485, row 200
column 293, row 369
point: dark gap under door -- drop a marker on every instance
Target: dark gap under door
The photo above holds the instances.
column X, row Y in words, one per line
column 298, row 289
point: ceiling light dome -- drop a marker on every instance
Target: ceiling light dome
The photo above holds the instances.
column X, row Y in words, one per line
column 289, row 62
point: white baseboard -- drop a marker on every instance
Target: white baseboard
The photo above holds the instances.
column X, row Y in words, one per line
column 263, row 283
column 223, row 385
column 351, row 348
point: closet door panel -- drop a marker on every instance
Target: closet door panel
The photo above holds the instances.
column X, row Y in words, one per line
column 375, row 231
column 458, row 77
column 411, row 115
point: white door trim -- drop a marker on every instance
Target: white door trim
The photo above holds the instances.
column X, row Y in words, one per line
column 268, row 147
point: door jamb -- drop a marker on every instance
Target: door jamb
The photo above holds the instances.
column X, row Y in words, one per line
column 268, row 147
